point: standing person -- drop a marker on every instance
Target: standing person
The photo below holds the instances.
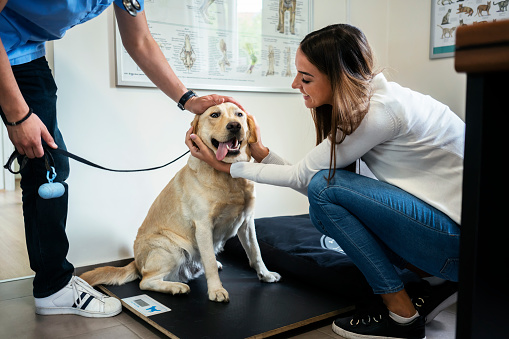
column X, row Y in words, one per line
column 28, row 109
column 410, row 216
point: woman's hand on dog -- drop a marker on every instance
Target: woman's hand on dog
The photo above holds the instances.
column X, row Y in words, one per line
column 198, row 105
column 201, row 151
column 258, row 150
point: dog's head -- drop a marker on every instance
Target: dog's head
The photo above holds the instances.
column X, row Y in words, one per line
column 227, row 131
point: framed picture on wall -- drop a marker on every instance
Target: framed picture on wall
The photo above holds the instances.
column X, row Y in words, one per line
column 224, row 44
column 448, row 15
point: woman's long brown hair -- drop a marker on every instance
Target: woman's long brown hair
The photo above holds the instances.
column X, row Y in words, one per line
column 343, row 54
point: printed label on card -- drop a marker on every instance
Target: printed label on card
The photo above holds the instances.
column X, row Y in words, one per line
column 146, row 305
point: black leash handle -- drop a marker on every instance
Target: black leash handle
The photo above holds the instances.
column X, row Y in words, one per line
column 47, row 154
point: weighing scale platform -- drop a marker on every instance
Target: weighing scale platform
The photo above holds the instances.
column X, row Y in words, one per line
column 256, row 309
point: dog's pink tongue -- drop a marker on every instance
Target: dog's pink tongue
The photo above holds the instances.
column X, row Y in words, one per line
column 222, row 151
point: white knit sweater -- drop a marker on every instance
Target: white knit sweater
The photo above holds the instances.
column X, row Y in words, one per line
column 407, row 139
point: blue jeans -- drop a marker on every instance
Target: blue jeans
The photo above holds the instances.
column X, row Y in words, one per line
column 380, row 226
column 45, row 220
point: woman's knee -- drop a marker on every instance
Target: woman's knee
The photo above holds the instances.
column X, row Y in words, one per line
column 323, row 204
column 315, row 189
column 319, row 184
column 316, row 186
column 316, row 216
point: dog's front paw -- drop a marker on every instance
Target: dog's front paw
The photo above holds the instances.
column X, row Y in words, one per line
column 179, row 288
column 269, row 277
column 220, row 295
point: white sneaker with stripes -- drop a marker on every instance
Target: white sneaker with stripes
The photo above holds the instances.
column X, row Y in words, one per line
column 79, row 298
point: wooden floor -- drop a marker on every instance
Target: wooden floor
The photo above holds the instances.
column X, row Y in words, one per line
column 13, row 253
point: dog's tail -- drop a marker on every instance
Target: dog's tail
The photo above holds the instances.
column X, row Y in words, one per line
column 110, row 275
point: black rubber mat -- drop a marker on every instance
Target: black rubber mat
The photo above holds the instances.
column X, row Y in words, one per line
column 255, row 310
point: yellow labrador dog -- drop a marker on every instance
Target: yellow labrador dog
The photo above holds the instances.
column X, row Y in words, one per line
column 191, row 219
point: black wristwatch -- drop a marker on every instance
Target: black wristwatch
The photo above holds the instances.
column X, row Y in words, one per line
column 187, row 95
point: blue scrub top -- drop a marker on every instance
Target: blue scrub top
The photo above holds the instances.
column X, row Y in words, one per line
column 25, row 25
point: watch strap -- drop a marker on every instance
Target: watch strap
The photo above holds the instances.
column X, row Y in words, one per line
column 187, row 95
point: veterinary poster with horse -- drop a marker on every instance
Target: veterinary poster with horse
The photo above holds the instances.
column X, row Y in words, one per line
column 224, row 44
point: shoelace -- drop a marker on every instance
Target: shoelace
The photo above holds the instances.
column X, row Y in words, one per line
column 367, row 312
column 419, row 302
column 365, row 318
column 75, row 282
column 420, row 294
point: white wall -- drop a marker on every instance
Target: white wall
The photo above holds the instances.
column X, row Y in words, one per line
column 398, row 31
column 140, row 127
column 408, row 56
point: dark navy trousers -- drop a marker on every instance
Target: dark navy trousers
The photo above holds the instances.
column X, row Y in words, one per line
column 45, row 220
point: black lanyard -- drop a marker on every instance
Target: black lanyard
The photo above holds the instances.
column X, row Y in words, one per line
column 49, row 162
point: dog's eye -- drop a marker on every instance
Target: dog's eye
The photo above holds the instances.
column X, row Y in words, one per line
column 215, row 115
column 239, row 114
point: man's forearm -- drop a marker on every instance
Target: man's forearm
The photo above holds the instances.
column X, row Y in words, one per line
column 11, row 100
column 146, row 53
column 153, row 63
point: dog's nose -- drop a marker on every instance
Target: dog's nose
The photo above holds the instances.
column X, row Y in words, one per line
column 233, row 127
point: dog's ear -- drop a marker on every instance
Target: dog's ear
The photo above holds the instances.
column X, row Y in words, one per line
column 252, row 130
column 194, row 123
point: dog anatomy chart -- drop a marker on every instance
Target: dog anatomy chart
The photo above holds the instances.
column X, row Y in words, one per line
column 448, row 15
column 224, row 44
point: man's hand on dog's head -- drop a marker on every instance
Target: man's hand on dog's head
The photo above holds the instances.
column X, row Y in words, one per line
column 198, row 105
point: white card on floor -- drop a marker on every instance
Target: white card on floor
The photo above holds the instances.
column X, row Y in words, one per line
column 146, row 305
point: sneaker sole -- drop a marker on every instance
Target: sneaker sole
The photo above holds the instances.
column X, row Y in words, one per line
column 442, row 306
column 351, row 335
column 75, row 311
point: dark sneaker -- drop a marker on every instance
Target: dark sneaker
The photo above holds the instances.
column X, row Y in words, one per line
column 431, row 300
column 375, row 322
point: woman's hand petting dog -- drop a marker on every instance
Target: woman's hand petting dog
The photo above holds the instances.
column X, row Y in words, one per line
column 201, row 151
column 258, row 150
